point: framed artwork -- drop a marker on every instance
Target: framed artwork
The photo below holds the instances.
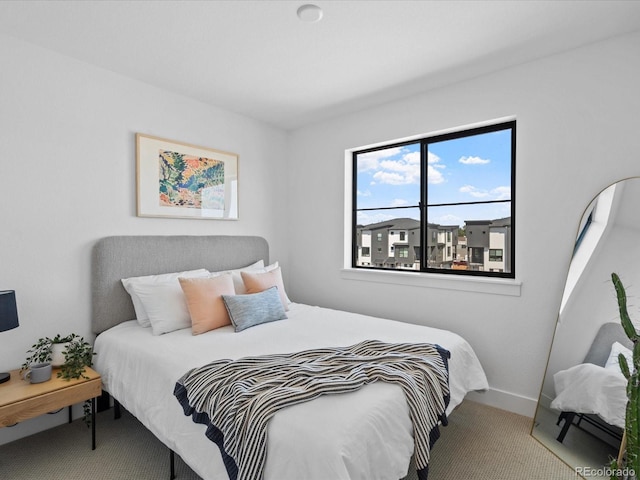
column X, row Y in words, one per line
column 179, row 180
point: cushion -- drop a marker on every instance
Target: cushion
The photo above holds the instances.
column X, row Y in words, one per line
column 613, row 363
column 131, row 284
column 237, row 279
column 204, row 301
column 273, row 266
column 249, row 310
column 258, row 282
column 165, row 305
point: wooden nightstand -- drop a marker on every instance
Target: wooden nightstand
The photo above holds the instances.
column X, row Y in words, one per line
column 21, row 400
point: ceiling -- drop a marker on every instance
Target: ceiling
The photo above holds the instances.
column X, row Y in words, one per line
column 258, row 59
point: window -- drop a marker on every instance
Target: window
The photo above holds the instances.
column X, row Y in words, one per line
column 366, row 251
column 583, row 231
column 495, row 254
column 450, row 192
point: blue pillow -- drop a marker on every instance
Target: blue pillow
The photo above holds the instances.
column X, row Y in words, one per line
column 249, row 310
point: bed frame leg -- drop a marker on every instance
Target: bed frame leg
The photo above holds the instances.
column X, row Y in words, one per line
column 116, row 409
column 568, row 420
column 172, row 464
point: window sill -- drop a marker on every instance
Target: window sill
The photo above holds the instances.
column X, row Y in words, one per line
column 495, row 286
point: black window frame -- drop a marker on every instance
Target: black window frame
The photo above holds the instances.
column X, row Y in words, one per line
column 423, row 205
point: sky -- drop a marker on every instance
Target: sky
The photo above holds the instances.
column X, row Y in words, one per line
column 468, row 169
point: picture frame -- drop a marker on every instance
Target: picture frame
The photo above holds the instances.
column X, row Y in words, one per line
column 180, row 180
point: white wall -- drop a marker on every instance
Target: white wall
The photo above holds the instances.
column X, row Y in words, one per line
column 577, row 115
column 67, row 178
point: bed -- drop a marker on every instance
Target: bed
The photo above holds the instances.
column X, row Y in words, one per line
column 593, row 393
column 363, row 434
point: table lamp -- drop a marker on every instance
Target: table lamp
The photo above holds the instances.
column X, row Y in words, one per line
column 8, row 318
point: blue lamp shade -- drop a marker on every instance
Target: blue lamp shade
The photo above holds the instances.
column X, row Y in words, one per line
column 8, row 319
column 8, row 310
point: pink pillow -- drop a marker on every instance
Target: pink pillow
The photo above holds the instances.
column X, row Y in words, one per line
column 204, row 300
column 259, row 282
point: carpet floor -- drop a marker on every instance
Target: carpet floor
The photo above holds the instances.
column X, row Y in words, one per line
column 480, row 442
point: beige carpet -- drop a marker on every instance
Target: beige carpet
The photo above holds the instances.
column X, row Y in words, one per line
column 479, row 443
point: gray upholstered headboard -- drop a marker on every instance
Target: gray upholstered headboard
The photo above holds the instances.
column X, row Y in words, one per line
column 601, row 346
column 115, row 258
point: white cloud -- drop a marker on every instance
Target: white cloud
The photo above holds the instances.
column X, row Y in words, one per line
column 365, row 193
column 434, row 176
column 399, row 202
column 433, row 158
column 400, row 171
column 366, row 163
column 370, row 160
column 403, row 171
column 474, row 192
column 498, row 193
column 391, row 178
column 448, row 219
column 413, row 158
column 502, row 193
column 473, row 161
column 367, row 218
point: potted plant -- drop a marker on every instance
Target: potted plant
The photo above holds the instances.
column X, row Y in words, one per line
column 76, row 354
column 59, row 346
column 629, row 457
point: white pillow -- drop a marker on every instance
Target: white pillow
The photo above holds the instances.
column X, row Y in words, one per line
column 612, row 361
column 273, row 266
column 131, row 284
column 257, row 267
column 238, row 285
column 165, row 305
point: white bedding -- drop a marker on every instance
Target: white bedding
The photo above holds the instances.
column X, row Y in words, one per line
column 338, row 437
column 589, row 388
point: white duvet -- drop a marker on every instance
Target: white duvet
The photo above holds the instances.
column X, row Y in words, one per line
column 589, row 388
column 360, row 435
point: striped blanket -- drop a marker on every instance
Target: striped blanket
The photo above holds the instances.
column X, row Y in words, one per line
column 236, row 398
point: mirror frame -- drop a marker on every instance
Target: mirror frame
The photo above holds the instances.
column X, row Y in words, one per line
column 579, row 232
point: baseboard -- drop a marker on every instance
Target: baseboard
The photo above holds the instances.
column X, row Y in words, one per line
column 506, row 401
column 545, row 401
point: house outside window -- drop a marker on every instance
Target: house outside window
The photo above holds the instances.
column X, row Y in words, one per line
column 435, row 193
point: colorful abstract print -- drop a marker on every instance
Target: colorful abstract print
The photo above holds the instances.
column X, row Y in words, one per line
column 190, row 181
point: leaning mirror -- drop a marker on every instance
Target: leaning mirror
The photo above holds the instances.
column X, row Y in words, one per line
column 581, row 406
